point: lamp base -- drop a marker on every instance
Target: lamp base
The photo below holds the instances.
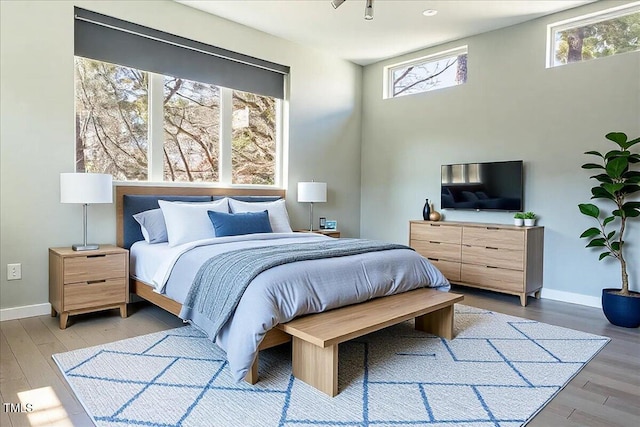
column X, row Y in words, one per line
column 87, row 247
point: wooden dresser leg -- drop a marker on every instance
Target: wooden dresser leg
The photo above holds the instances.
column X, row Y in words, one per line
column 123, row 310
column 439, row 322
column 523, row 300
column 252, row 375
column 316, row 366
column 54, row 313
column 64, row 316
column 537, row 294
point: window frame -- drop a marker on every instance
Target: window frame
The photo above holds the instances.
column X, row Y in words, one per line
column 387, row 88
column 584, row 20
column 156, row 140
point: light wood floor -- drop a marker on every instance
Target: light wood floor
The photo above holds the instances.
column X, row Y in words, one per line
column 605, row 393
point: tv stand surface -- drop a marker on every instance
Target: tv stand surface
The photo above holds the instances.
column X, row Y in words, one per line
column 497, row 257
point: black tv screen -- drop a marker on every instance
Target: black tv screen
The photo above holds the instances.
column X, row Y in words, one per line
column 483, row 186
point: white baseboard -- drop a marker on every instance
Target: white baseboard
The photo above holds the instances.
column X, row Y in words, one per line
column 572, row 298
column 42, row 309
column 25, row 311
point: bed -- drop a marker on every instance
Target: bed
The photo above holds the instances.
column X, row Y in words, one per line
column 163, row 274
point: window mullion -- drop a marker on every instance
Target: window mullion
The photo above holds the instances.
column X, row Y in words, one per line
column 226, row 123
column 156, row 127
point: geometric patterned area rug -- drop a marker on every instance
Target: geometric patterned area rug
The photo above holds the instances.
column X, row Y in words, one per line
column 498, row 371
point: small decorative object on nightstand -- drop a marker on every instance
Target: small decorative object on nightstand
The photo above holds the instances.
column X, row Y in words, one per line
column 88, row 281
column 330, row 233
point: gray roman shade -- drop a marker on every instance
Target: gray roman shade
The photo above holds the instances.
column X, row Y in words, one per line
column 113, row 40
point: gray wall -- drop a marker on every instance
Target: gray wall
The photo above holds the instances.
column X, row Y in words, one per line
column 511, row 108
column 37, row 127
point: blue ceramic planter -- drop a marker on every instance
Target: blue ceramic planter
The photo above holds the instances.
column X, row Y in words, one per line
column 620, row 310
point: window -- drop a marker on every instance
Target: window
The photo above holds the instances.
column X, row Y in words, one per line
column 112, row 118
column 191, row 131
column 114, row 109
column 605, row 33
column 160, row 107
column 444, row 69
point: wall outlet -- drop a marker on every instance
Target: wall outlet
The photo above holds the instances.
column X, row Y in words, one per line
column 14, row 271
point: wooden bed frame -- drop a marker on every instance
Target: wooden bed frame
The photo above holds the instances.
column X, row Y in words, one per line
column 145, row 291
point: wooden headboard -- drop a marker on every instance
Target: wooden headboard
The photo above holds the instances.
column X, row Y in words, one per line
column 122, row 190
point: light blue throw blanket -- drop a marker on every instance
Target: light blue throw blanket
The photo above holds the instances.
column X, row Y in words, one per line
column 221, row 281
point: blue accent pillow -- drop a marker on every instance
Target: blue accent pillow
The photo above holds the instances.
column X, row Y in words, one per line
column 235, row 224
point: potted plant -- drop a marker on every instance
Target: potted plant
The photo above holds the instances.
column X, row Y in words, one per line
column 529, row 219
column 618, row 178
column 518, row 219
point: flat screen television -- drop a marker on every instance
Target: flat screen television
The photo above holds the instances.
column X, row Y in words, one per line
column 496, row 186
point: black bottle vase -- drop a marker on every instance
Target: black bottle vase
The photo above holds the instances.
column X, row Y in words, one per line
column 426, row 210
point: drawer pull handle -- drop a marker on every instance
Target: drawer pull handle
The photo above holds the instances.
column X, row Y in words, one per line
column 434, row 225
column 435, row 243
column 490, row 266
column 91, row 282
column 433, row 259
column 493, row 228
column 492, row 248
column 96, row 256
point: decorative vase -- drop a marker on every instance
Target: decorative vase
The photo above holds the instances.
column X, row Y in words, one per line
column 426, row 210
column 518, row 222
column 434, row 216
column 621, row 310
column 529, row 222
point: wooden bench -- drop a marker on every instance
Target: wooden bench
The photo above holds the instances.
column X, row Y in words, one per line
column 316, row 336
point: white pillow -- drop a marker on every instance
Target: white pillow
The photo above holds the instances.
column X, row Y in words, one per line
column 278, row 216
column 187, row 222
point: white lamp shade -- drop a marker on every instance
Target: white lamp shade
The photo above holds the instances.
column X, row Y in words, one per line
column 312, row 192
column 86, row 188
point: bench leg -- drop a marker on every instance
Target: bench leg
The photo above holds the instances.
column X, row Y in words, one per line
column 252, row 375
column 316, row 366
column 439, row 322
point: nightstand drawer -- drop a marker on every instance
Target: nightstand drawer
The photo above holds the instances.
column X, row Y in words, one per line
column 94, row 267
column 94, row 294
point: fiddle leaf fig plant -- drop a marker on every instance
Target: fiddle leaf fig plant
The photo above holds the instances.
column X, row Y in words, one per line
column 618, row 178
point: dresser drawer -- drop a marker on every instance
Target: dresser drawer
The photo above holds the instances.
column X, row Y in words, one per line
column 436, row 233
column 493, row 278
column 451, row 270
column 446, row 251
column 94, row 294
column 493, row 257
column 94, row 267
column 494, row 237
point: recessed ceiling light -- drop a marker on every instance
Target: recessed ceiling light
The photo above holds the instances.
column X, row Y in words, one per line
column 430, row 12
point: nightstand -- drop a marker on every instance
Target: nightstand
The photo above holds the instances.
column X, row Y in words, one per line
column 330, row 233
column 87, row 281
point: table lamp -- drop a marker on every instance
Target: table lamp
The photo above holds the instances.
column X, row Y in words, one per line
column 312, row 192
column 85, row 188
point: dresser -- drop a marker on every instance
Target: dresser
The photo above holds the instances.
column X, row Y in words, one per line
column 497, row 257
column 87, row 281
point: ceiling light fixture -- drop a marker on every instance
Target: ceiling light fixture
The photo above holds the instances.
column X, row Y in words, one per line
column 430, row 12
column 368, row 10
